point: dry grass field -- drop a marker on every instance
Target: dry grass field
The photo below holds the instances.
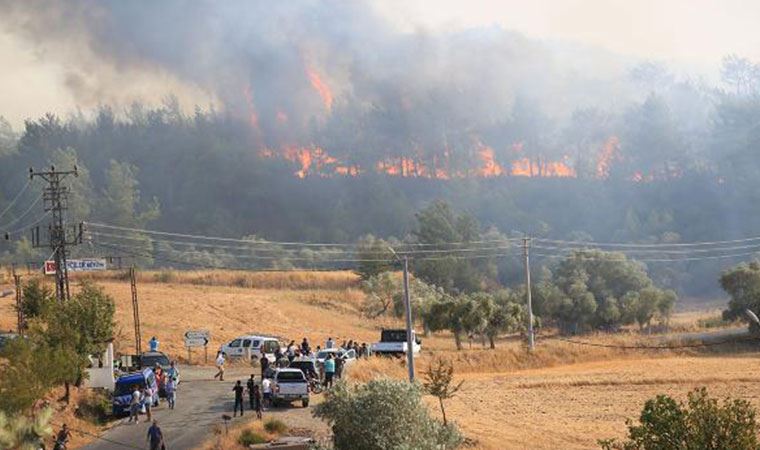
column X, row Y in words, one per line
column 561, row 396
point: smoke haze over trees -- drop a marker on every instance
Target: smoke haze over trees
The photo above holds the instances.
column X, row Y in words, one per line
column 320, row 121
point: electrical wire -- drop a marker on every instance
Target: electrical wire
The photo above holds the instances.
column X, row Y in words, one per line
column 20, row 229
column 631, row 245
column 608, row 259
column 15, row 199
column 5, row 227
column 656, row 251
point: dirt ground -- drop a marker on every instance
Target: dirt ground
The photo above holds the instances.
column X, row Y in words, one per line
column 562, row 396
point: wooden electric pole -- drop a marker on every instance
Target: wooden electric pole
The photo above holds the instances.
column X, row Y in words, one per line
column 135, row 310
column 529, row 300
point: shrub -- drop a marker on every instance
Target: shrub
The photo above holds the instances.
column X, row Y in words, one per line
column 94, row 407
column 275, row 426
column 250, row 437
column 700, row 424
column 383, row 414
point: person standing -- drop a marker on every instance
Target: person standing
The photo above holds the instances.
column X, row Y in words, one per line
column 330, row 343
column 339, row 362
column 250, row 385
column 305, row 347
column 171, row 391
column 264, row 361
column 220, row 366
column 257, row 401
column 153, row 344
column 173, row 371
column 155, row 437
column 238, row 390
column 266, row 388
column 134, row 405
column 147, row 398
column 329, row 370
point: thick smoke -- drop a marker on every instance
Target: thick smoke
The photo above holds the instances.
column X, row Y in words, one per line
column 290, row 67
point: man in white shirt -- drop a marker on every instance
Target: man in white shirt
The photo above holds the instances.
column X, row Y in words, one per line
column 134, row 405
column 266, row 389
column 220, row 366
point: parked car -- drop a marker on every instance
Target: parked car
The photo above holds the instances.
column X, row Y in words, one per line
column 122, row 395
column 348, row 356
column 150, row 359
column 257, row 345
column 290, row 385
column 393, row 342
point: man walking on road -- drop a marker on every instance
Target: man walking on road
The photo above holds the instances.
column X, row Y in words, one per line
column 238, row 389
column 220, row 366
column 155, row 437
column 171, row 392
column 134, row 405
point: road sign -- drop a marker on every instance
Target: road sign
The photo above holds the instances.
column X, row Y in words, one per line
column 197, row 338
column 78, row 265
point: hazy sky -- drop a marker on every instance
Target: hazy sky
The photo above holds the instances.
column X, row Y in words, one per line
column 689, row 32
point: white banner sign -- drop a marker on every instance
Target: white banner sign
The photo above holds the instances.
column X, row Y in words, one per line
column 78, row 265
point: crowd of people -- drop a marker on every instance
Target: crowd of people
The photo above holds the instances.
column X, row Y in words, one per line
column 260, row 392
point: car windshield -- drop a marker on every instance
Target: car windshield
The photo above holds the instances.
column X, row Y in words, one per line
column 290, row 377
column 323, row 354
column 151, row 360
column 393, row 336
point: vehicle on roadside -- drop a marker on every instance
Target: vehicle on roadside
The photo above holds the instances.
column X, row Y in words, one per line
column 257, row 345
column 393, row 342
column 289, row 385
column 150, row 359
column 348, row 356
column 312, row 371
column 122, row 395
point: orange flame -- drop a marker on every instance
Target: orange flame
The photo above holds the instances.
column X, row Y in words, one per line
column 490, row 167
column 525, row 167
column 253, row 118
column 321, row 87
column 609, row 154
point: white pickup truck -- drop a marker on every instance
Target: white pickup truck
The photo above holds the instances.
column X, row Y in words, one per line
column 289, row 385
column 393, row 342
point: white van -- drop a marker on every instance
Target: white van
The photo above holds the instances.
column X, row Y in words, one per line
column 258, row 345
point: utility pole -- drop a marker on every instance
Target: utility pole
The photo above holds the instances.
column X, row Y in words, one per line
column 526, row 254
column 19, row 312
column 408, row 314
column 135, row 309
column 55, row 196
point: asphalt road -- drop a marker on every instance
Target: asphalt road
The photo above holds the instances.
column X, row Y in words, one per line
column 201, row 401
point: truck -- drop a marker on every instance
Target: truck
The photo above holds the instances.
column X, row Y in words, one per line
column 289, row 385
column 254, row 345
column 393, row 342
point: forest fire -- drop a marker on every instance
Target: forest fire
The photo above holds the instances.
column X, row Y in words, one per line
column 610, row 154
column 321, row 87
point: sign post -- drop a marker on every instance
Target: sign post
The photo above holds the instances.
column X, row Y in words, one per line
column 197, row 338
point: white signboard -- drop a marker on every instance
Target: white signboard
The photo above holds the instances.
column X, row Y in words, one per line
column 197, row 338
column 78, row 265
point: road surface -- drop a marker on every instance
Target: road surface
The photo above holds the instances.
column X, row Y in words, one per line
column 201, row 401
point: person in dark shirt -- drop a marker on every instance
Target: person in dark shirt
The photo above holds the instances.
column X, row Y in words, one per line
column 250, row 385
column 155, row 436
column 238, row 389
column 264, row 361
column 257, row 404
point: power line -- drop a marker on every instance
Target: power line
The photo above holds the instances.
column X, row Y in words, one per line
column 37, row 200
column 655, row 251
column 632, row 245
column 15, row 199
column 608, row 259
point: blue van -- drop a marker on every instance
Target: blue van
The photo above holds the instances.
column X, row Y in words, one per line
column 122, row 395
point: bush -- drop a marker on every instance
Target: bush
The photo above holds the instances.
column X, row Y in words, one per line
column 250, row 437
column 701, row 424
column 383, row 414
column 275, row 426
column 94, row 407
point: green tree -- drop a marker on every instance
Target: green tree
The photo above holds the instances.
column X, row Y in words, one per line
column 742, row 283
column 422, row 296
column 37, row 299
column 383, row 414
column 508, row 316
column 439, row 382
column 120, row 202
column 375, row 257
column 701, row 424
column 379, row 291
